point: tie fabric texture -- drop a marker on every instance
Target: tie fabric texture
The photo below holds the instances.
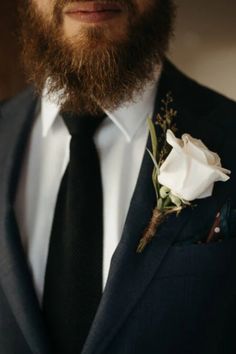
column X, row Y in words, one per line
column 73, row 281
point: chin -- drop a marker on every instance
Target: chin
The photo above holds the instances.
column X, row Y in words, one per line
column 114, row 30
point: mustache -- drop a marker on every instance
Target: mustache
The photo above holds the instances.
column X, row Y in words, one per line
column 127, row 4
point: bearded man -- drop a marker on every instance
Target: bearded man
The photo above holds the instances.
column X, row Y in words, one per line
column 94, row 258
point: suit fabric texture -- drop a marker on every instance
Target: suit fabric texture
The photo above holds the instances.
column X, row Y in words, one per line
column 175, row 297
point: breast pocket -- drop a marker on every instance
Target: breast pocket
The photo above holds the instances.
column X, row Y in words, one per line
column 200, row 259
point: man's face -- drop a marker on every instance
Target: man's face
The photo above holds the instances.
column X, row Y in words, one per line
column 100, row 53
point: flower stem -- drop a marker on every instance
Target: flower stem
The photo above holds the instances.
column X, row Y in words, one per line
column 150, row 231
column 158, row 216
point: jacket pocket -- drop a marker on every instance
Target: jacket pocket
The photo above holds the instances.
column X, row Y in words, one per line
column 200, row 259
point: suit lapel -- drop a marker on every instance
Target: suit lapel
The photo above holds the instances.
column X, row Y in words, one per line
column 15, row 280
column 131, row 273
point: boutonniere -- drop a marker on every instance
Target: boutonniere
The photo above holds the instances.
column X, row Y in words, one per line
column 184, row 170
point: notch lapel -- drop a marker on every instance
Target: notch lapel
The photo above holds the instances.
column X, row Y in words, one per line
column 131, row 273
column 15, row 279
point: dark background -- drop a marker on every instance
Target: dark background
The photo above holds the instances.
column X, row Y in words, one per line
column 204, row 46
column 11, row 75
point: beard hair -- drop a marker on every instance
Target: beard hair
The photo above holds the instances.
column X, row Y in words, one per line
column 92, row 72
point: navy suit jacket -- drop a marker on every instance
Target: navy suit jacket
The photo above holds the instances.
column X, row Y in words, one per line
column 173, row 298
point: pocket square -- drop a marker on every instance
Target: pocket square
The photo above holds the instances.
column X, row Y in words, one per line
column 224, row 226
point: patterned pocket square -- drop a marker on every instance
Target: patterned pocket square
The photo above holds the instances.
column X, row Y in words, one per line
column 224, row 226
column 202, row 231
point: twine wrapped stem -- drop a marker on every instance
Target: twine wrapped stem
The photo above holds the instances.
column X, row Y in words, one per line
column 158, row 217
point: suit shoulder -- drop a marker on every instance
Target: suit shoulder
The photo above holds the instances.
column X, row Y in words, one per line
column 223, row 109
column 200, row 100
column 192, row 88
column 19, row 100
column 207, row 95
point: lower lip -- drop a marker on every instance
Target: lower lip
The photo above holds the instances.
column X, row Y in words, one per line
column 93, row 17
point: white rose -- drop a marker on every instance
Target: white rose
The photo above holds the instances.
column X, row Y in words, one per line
column 190, row 169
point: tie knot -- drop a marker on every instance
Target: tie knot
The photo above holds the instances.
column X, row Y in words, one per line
column 82, row 124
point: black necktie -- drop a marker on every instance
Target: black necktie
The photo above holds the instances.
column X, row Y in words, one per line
column 73, row 282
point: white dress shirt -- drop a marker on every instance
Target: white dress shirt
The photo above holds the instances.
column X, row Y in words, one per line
column 120, row 141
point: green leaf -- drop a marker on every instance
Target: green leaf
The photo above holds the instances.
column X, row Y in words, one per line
column 154, row 161
column 167, row 202
column 175, row 200
column 154, row 140
column 155, row 182
column 160, row 204
column 155, row 174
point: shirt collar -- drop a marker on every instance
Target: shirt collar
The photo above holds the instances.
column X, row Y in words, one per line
column 128, row 117
column 49, row 111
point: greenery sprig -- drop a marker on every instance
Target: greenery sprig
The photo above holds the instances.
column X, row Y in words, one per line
column 166, row 202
